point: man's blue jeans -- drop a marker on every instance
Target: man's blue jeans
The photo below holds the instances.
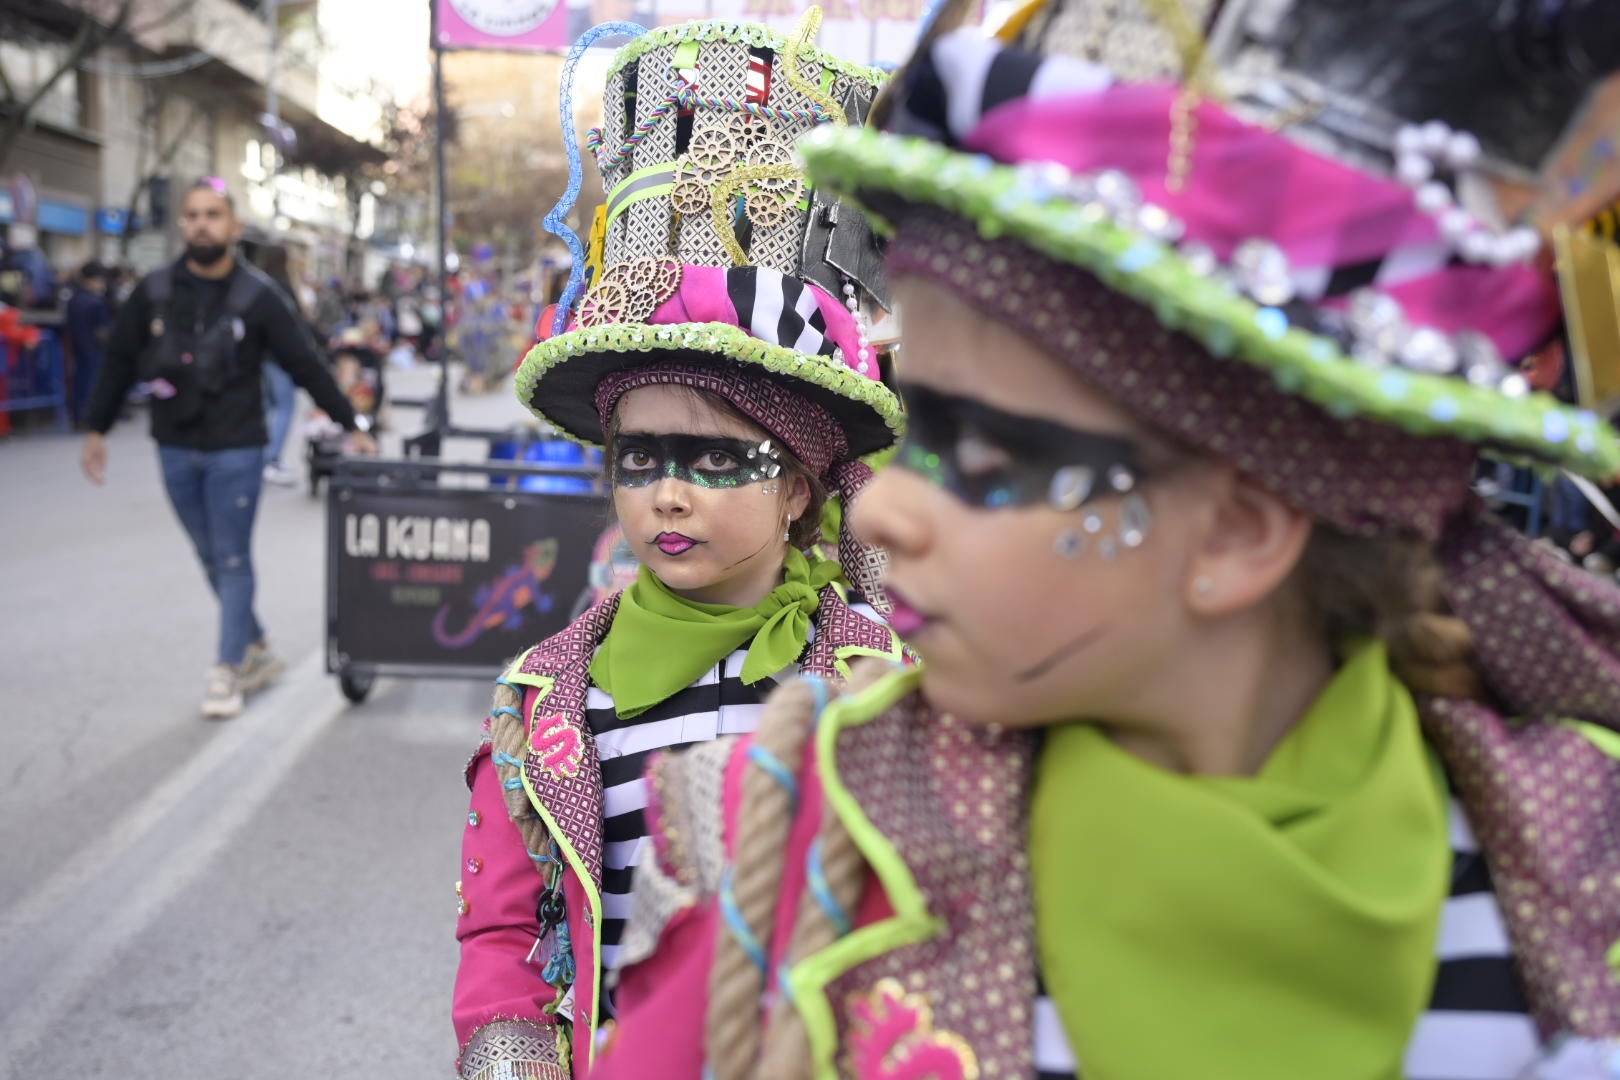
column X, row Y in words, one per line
column 215, row 494
column 282, row 395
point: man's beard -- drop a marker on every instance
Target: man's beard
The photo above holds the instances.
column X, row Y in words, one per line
column 206, row 254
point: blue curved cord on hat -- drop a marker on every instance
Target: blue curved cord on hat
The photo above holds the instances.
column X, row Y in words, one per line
column 554, row 222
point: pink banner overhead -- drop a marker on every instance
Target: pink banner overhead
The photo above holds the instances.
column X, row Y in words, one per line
column 515, row 25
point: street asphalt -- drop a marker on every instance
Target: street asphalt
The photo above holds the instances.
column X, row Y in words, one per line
column 262, row 898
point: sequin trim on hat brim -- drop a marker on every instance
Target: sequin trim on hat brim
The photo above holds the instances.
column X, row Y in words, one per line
column 740, row 33
column 870, row 412
column 864, row 166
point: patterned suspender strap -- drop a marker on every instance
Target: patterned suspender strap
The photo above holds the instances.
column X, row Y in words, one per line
column 839, row 627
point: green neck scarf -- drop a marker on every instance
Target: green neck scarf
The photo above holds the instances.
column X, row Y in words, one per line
column 1265, row 928
column 661, row 643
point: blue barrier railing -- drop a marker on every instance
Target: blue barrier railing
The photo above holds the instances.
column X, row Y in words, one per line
column 36, row 378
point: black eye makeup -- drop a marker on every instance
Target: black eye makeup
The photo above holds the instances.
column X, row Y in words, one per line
column 709, row 461
column 994, row 459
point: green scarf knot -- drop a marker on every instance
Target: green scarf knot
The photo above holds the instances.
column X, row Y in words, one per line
column 661, row 643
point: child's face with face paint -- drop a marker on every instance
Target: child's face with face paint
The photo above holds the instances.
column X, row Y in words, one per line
column 703, row 496
column 1041, row 544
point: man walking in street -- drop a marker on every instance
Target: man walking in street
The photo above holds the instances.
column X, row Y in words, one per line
column 198, row 333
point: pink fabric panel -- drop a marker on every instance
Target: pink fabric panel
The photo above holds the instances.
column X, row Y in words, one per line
column 662, row 1005
column 1247, row 182
column 702, row 297
column 585, row 973
column 495, row 981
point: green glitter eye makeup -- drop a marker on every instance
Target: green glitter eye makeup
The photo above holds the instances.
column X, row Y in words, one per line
column 709, row 461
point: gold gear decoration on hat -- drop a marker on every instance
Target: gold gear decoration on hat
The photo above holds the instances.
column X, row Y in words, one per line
column 713, row 152
column 769, row 209
column 690, row 196
column 771, row 154
column 750, row 129
column 651, row 278
column 604, row 305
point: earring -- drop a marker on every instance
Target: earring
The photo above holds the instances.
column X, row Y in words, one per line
column 787, row 531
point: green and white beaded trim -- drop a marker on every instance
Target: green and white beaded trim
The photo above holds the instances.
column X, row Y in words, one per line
column 856, row 163
column 753, row 35
column 719, row 339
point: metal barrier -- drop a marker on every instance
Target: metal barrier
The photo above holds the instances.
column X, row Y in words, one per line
column 34, row 378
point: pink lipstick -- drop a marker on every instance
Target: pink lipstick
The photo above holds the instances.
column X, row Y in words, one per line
column 674, row 543
column 904, row 619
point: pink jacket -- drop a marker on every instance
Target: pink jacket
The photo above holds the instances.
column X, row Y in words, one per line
column 502, row 985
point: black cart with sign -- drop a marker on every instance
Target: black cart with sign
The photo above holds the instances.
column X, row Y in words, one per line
column 445, row 569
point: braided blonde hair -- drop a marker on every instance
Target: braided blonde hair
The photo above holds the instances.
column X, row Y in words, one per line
column 1390, row 588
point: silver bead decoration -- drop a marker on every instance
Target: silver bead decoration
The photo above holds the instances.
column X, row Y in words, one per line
column 1120, row 479
column 1134, row 521
column 1263, row 272
column 1069, row 545
column 1200, row 259
column 1158, row 223
column 1071, row 486
column 1108, row 549
column 1430, row 351
column 1117, row 192
column 1092, row 524
column 1515, row 385
column 1478, row 359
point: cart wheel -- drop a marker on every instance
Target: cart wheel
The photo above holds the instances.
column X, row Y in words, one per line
column 356, row 686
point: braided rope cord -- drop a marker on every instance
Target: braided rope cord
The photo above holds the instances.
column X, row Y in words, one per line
column 736, row 983
column 556, row 221
column 822, row 918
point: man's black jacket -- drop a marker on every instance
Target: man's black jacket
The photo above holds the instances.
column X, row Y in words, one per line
column 235, row 416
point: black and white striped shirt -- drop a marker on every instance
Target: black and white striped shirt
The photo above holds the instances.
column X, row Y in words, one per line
column 717, row 704
column 1477, row 1026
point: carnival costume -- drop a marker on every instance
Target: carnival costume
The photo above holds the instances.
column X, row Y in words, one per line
column 1240, row 274
column 711, row 267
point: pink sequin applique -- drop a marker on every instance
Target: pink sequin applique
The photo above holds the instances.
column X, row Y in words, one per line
column 892, row 1037
column 558, row 747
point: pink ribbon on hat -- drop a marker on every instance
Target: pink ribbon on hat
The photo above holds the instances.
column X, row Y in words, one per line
column 1322, row 213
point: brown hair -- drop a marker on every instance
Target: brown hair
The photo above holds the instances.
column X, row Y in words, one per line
column 1388, row 587
column 806, row 529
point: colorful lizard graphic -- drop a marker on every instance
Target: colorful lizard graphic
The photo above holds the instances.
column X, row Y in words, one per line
column 501, row 603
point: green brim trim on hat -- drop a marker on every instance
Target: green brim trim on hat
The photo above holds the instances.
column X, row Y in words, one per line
column 718, row 339
column 857, row 163
column 755, row 35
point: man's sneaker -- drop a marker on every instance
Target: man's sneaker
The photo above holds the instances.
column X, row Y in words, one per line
column 259, row 666
column 278, row 474
column 222, row 697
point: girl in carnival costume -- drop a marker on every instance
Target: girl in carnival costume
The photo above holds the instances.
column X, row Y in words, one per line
column 1246, row 744
column 720, row 356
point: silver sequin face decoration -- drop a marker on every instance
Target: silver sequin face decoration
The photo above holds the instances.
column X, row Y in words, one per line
column 1134, row 521
column 1069, row 545
column 1121, row 480
column 1071, row 486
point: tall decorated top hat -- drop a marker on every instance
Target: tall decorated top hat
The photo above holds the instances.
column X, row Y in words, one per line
column 1276, row 238
column 710, row 248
